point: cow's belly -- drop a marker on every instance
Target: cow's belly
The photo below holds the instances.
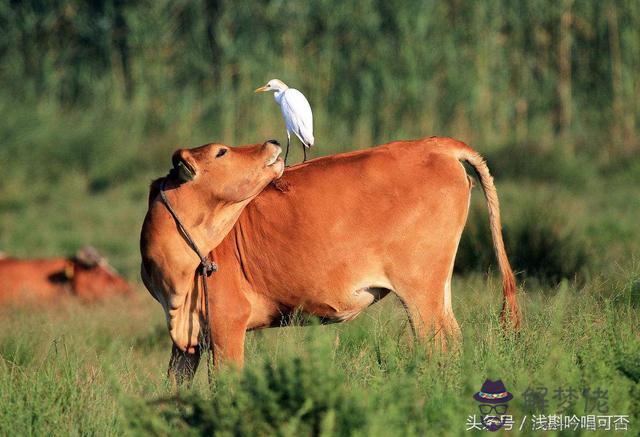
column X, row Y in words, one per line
column 349, row 305
column 332, row 301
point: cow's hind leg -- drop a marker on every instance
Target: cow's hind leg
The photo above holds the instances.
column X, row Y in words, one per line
column 182, row 366
column 427, row 299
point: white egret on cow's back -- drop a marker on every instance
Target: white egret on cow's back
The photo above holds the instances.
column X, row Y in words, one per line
column 296, row 112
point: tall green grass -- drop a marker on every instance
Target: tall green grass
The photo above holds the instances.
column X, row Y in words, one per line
column 77, row 370
column 493, row 73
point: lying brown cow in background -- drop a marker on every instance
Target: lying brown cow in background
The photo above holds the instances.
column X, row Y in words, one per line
column 87, row 275
column 330, row 237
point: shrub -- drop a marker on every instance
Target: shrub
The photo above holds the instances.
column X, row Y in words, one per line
column 287, row 399
column 296, row 394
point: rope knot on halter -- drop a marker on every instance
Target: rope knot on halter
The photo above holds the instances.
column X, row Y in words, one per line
column 207, row 267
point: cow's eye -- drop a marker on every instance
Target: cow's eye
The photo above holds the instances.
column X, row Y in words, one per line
column 221, row 152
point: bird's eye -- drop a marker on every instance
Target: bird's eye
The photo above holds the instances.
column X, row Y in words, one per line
column 221, row 152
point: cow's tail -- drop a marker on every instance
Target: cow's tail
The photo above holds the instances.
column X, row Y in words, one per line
column 510, row 308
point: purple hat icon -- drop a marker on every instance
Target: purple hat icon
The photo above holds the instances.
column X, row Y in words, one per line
column 493, row 392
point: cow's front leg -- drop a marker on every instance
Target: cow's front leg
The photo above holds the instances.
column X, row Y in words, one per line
column 182, row 366
column 230, row 311
column 228, row 344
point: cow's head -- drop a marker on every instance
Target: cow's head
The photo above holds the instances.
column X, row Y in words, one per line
column 92, row 278
column 227, row 174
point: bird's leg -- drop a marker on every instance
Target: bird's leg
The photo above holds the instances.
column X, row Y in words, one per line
column 287, row 152
column 304, row 151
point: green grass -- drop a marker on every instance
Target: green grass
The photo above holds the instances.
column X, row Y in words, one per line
column 494, row 73
column 99, row 370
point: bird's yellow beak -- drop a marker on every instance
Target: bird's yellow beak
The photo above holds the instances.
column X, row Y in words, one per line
column 262, row 89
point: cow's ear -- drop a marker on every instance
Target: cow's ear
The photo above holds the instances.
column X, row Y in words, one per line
column 183, row 165
column 88, row 257
column 69, row 270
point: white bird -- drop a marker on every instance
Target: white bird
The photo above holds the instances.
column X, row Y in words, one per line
column 296, row 112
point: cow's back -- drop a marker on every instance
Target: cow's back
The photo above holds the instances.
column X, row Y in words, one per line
column 31, row 280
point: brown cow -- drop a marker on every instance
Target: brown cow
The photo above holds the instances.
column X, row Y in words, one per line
column 330, row 237
column 87, row 275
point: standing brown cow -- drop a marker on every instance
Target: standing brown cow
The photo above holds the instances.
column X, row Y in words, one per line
column 87, row 275
column 330, row 237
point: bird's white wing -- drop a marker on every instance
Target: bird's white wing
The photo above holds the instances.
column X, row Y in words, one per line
column 297, row 115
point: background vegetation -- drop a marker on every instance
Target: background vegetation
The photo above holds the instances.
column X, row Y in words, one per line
column 94, row 96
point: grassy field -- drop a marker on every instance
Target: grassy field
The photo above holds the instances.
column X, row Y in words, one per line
column 96, row 95
column 80, row 370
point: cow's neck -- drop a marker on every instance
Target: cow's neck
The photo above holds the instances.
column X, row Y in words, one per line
column 206, row 220
column 244, row 244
